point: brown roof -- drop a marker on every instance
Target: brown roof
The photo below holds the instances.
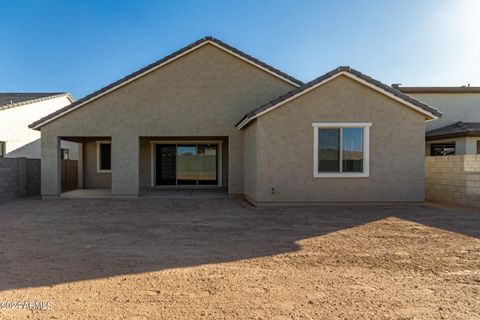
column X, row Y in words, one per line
column 295, row 92
column 15, row 99
column 458, row 129
column 439, row 89
column 37, row 124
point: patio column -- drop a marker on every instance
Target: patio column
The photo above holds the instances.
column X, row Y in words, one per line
column 50, row 166
column 125, row 165
column 80, row 164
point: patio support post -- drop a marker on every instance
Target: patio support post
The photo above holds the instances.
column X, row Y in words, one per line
column 50, row 166
column 80, row 164
column 125, row 165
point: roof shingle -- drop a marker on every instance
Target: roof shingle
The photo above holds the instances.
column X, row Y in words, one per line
column 458, row 129
column 15, row 99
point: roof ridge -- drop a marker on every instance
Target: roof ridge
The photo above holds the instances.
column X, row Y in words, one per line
column 271, row 104
column 150, row 67
column 464, row 126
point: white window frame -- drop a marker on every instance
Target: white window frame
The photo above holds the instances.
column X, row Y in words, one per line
column 366, row 149
column 98, row 157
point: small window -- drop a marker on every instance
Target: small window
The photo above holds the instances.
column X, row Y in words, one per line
column 478, row 146
column 3, row 149
column 341, row 149
column 104, row 156
column 65, row 153
column 442, row 149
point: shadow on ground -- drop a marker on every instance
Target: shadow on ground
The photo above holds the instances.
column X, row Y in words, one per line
column 43, row 243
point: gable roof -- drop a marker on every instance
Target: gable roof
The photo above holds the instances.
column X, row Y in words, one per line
column 428, row 111
column 10, row 100
column 170, row 58
column 458, row 129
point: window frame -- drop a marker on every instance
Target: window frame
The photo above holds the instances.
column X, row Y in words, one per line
column 100, row 170
column 366, row 149
column 443, row 145
column 3, row 149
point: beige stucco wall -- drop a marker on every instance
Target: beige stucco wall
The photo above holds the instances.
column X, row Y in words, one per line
column 91, row 177
column 250, row 161
column 455, row 107
column 453, row 179
column 203, row 93
column 285, row 147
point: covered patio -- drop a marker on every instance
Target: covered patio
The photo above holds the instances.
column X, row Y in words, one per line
column 173, row 167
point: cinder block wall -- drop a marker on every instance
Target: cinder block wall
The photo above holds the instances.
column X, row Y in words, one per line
column 453, row 179
column 19, row 177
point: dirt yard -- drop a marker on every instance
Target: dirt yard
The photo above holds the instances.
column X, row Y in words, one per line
column 222, row 259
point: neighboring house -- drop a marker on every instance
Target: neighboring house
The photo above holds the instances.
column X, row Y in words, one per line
column 17, row 111
column 211, row 116
column 458, row 131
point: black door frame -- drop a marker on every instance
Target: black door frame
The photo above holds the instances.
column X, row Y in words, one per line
column 219, row 144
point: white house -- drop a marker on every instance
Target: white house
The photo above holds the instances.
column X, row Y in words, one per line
column 17, row 111
column 458, row 131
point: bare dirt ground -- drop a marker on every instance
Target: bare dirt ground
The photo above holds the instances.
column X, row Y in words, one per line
column 222, row 259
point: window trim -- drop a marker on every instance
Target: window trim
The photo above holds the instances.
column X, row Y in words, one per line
column 99, row 170
column 366, row 149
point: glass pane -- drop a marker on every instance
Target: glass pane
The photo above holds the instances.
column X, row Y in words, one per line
column 105, row 156
column 166, row 160
column 442, row 149
column 207, row 164
column 187, row 165
column 2, row 149
column 449, row 150
column 352, row 149
column 328, row 150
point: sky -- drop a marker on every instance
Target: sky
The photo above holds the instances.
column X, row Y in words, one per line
column 81, row 46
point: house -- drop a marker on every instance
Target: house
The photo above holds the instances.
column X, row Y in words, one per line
column 458, row 131
column 17, row 111
column 211, row 116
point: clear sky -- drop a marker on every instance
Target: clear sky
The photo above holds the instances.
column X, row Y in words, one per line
column 80, row 46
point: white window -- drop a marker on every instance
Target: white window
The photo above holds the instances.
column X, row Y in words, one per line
column 104, row 156
column 341, row 150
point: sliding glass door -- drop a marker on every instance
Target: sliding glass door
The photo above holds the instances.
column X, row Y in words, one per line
column 186, row 164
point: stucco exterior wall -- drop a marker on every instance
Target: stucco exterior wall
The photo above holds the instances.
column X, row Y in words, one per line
column 285, row 147
column 92, row 178
column 22, row 141
column 455, row 107
column 203, row 93
column 250, row 161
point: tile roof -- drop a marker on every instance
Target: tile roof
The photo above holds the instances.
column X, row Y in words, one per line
column 15, row 99
column 458, row 129
column 270, row 105
column 160, row 62
column 463, row 89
